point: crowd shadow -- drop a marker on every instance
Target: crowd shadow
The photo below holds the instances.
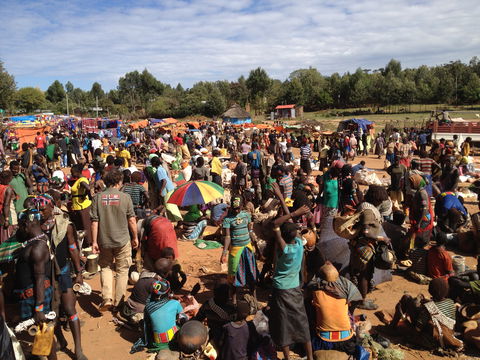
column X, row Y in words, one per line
column 90, row 303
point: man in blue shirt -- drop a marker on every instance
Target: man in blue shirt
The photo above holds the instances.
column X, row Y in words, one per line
column 450, row 212
column 358, row 167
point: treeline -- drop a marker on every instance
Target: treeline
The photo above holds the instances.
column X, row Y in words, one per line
column 140, row 94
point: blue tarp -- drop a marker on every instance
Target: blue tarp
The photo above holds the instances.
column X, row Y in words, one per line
column 236, row 121
column 156, row 121
column 362, row 123
column 24, row 118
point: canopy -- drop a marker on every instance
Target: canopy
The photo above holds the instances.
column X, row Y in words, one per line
column 361, row 123
column 139, row 124
column 26, row 118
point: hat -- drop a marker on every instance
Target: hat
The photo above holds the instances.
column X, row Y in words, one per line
column 417, row 181
column 151, row 156
column 161, row 287
column 204, row 151
column 337, row 164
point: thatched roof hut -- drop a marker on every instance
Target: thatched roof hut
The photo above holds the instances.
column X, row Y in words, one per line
column 237, row 115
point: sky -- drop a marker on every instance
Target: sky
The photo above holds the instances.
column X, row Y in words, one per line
column 186, row 41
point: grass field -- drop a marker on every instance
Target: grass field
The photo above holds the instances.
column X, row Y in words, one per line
column 399, row 116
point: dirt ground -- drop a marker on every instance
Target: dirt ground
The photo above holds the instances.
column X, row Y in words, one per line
column 103, row 341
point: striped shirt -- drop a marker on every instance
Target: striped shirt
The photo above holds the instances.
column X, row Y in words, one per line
column 287, row 183
column 418, row 258
column 446, row 307
column 425, row 165
column 136, row 192
column 238, row 226
column 305, row 152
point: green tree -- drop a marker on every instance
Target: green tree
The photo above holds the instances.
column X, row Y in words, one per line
column 138, row 89
column 7, row 88
column 29, row 99
column 294, row 93
column 315, row 88
column 215, row 103
column 239, row 91
column 470, row 92
column 258, row 82
column 55, row 92
column 69, row 87
column 393, row 68
column 96, row 91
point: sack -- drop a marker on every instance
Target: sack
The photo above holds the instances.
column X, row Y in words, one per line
column 42, row 344
column 384, row 257
column 344, row 226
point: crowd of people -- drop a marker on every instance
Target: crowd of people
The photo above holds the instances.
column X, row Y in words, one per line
column 71, row 194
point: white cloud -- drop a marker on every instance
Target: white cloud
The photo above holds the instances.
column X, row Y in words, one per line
column 189, row 41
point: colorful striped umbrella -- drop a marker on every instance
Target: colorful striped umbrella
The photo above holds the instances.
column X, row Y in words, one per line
column 196, row 193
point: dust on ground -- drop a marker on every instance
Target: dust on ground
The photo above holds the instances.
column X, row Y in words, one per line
column 103, row 341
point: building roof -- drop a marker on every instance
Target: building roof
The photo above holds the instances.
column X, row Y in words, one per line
column 236, row 112
column 291, row 106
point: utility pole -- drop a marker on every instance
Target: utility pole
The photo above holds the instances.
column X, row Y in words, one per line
column 68, row 111
column 96, row 104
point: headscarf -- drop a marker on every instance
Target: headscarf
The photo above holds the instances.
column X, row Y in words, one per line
column 417, row 181
column 41, row 201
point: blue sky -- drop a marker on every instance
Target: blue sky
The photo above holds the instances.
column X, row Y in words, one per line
column 194, row 40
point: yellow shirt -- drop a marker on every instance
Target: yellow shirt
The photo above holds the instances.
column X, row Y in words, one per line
column 125, row 154
column 80, row 199
column 216, row 166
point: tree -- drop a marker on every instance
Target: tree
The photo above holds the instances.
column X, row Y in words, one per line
column 215, row 104
column 96, row 91
column 29, row 99
column 258, row 83
column 393, row 67
column 293, row 93
column 138, row 89
column 55, row 92
column 239, row 91
column 69, row 87
column 470, row 92
column 7, row 88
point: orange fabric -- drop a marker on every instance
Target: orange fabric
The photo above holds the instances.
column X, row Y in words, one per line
column 170, row 121
column 28, row 134
column 138, row 124
column 439, row 262
column 195, row 124
column 263, row 126
column 331, row 313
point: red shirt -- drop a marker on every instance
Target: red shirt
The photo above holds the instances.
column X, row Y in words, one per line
column 40, row 142
column 439, row 262
column 86, row 173
column 161, row 235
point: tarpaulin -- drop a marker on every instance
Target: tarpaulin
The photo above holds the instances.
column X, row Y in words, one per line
column 24, row 118
column 138, row 124
column 361, row 123
column 28, row 134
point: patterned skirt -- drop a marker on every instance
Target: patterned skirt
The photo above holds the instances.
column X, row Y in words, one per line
column 242, row 266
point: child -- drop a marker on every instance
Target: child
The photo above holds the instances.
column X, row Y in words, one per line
column 239, row 336
column 439, row 261
column 177, row 278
